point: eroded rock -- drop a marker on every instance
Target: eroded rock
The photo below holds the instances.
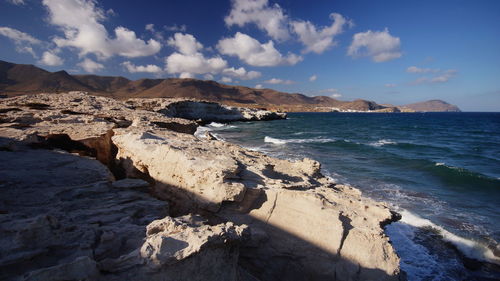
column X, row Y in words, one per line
column 64, row 217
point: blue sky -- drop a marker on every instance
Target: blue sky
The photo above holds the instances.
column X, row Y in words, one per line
column 388, row 51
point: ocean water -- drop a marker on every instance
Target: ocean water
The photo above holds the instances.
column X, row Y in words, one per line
column 441, row 171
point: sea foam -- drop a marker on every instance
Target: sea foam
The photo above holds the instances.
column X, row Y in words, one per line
column 469, row 248
column 285, row 141
column 382, row 142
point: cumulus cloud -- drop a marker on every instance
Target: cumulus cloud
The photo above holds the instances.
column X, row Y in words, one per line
column 279, row 81
column 259, row 86
column 253, row 52
column 319, row 40
column 268, row 18
column 188, row 61
column 241, row 73
column 185, row 43
column 379, row 45
column 226, row 79
column 51, row 59
column 414, row 69
column 313, row 78
column 90, row 66
column 80, row 22
column 150, row 68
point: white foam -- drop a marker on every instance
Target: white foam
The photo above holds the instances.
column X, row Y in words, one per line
column 440, row 164
column 311, row 140
column 470, row 248
column 274, row 140
column 216, row 125
column 382, row 142
column 200, row 132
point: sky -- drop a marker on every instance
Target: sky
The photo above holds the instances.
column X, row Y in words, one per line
column 390, row 51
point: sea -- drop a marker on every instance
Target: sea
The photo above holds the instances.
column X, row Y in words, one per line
column 440, row 171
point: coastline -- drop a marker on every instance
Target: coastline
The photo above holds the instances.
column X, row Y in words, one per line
column 341, row 146
column 280, row 219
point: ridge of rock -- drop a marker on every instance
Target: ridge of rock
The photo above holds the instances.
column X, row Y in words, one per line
column 73, row 207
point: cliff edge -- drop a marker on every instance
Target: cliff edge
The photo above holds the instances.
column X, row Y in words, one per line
column 98, row 189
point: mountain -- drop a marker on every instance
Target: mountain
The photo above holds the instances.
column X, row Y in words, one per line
column 18, row 79
column 22, row 78
column 432, row 106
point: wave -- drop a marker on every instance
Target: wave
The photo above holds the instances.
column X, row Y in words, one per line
column 458, row 176
column 381, row 142
column 285, row 141
column 216, row 125
column 470, row 248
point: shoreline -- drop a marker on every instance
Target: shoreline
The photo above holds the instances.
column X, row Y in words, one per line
column 472, row 253
column 266, row 207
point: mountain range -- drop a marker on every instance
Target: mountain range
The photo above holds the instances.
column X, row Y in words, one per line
column 18, row 79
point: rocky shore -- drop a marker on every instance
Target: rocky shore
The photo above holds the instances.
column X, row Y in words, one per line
column 99, row 189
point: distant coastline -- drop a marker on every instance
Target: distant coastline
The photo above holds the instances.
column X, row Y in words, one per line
column 20, row 79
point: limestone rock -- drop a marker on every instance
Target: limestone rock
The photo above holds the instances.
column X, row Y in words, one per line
column 205, row 111
column 63, row 215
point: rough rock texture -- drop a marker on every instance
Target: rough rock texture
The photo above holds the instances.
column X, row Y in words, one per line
column 302, row 225
column 64, row 217
column 203, row 110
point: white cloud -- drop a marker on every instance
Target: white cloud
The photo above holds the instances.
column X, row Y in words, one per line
column 150, row 27
column 414, row 69
column 390, row 85
column 334, row 93
column 241, row 73
column 176, row 28
column 188, row 61
column 26, row 49
column 186, row 75
column 208, row 76
column 253, row 52
column 80, row 22
column 23, row 41
column 379, row 45
column 444, row 77
column 313, row 78
column 17, row 2
column 190, row 65
column 51, row 59
column 319, row 40
column 185, row 43
column 18, row 37
column 90, row 66
column 226, row 79
column 279, row 81
column 259, row 86
column 150, row 68
column 259, row 12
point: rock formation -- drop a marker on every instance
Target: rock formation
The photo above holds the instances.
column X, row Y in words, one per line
column 203, row 110
column 98, row 189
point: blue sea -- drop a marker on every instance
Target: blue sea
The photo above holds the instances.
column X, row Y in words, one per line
column 440, row 171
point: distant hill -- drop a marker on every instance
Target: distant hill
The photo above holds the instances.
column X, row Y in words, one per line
column 432, row 106
column 18, row 79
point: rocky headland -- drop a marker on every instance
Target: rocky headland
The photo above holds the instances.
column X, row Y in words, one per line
column 99, row 189
column 21, row 79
